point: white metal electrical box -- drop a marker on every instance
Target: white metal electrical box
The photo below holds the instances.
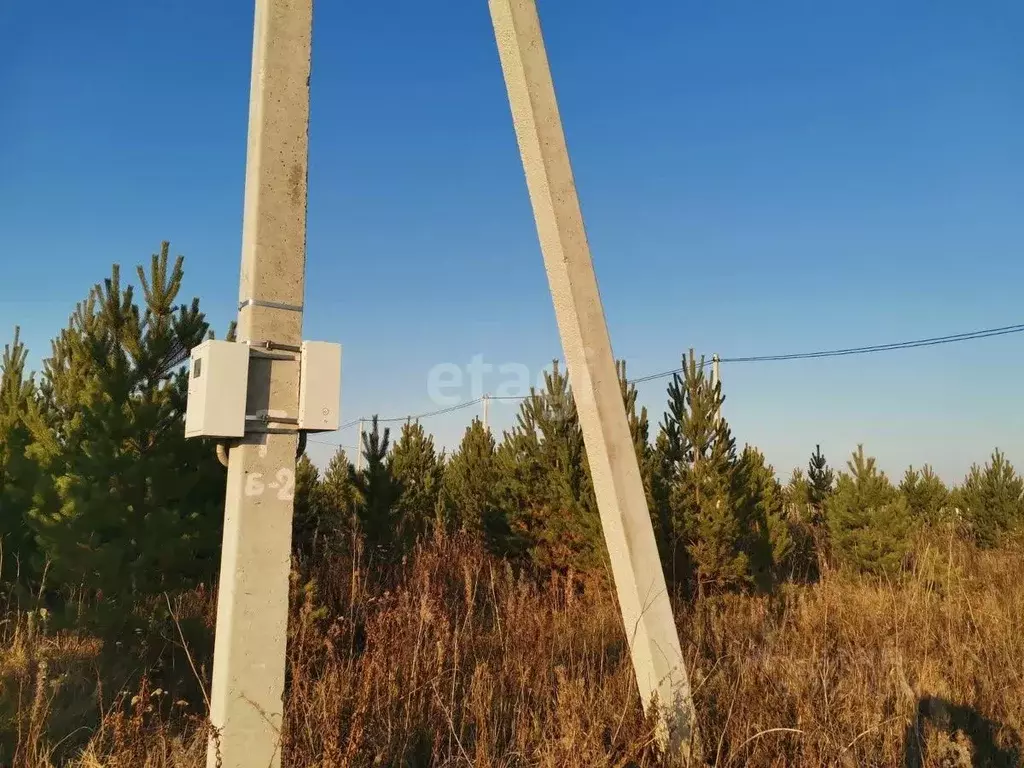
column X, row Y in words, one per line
column 320, row 386
column 217, row 384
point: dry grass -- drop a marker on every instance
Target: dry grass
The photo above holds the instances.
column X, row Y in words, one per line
column 456, row 660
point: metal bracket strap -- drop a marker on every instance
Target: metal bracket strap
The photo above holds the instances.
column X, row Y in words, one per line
column 268, row 419
column 286, row 355
column 275, row 425
column 269, row 305
column 257, row 345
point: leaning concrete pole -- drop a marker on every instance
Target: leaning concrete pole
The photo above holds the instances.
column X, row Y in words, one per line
column 639, row 581
column 252, row 613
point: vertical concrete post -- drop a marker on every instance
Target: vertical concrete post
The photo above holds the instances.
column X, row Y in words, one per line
column 639, row 581
column 252, row 613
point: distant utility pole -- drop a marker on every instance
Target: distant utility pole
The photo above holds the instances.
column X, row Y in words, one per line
column 359, row 448
column 486, row 402
column 716, row 380
column 639, row 581
column 252, row 611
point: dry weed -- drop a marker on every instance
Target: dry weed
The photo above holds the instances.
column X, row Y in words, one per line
column 456, row 660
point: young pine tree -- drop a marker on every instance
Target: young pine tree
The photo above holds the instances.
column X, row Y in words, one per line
column 639, row 424
column 520, row 478
column 670, row 464
column 18, row 472
column 810, row 494
column 469, row 489
column 338, row 501
column 808, row 539
column 306, row 511
column 554, row 516
column 926, row 495
column 820, row 482
column 798, row 495
column 993, row 497
column 125, row 505
column 417, row 471
column 707, row 513
column 868, row 519
column 377, row 514
column 665, row 468
column 771, row 544
column 647, row 458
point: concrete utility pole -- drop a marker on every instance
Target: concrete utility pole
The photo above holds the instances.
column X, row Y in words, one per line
column 639, row 581
column 486, row 402
column 252, row 612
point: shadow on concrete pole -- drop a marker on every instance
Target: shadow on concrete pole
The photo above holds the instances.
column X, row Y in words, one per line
column 247, row 705
column 639, row 580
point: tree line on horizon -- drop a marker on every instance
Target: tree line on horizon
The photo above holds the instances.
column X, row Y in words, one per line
column 100, row 491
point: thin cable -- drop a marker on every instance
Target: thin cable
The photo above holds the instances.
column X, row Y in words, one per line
column 439, row 412
column 412, row 417
column 914, row 344
column 930, row 342
column 332, row 445
column 663, row 374
column 843, row 352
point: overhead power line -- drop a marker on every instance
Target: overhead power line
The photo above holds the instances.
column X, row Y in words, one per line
column 985, row 333
column 930, row 342
column 663, row 374
column 418, row 416
column 329, row 444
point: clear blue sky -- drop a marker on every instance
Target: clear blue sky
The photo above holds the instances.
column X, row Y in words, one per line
column 756, row 178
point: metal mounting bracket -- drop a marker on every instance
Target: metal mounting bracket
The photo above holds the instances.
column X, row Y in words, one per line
column 269, row 305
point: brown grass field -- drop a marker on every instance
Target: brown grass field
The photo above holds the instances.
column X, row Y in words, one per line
column 456, row 661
